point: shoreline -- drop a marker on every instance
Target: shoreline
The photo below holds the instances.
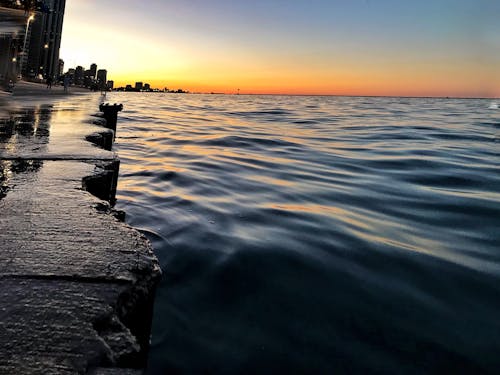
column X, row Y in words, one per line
column 23, row 88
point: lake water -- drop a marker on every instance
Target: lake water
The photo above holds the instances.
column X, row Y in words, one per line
column 317, row 234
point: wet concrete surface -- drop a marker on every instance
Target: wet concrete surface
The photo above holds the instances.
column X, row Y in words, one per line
column 29, row 89
column 77, row 284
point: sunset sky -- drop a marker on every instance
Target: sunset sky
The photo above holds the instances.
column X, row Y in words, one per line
column 353, row 47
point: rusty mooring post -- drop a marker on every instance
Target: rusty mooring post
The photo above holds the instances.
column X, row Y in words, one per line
column 110, row 113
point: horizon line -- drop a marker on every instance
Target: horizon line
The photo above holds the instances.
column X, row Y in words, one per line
column 334, row 95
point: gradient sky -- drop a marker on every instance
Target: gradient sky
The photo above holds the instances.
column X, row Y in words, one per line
column 353, row 47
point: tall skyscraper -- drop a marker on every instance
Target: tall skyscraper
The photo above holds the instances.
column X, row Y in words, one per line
column 102, row 78
column 79, row 75
column 45, row 40
column 93, row 71
column 87, row 78
column 61, row 67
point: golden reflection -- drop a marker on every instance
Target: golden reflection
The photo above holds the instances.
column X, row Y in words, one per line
column 131, row 187
column 365, row 230
column 271, row 181
column 215, row 152
column 36, row 119
column 134, row 191
column 164, row 162
column 320, row 209
column 420, row 245
column 12, row 144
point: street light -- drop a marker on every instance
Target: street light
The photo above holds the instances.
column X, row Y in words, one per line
column 45, row 68
column 23, row 62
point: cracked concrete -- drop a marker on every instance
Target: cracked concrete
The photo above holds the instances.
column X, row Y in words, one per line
column 77, row 284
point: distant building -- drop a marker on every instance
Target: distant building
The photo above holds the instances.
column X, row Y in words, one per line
column 102, row 75
column 138, row 86
column 79, row 75
column 147, row 87
column 61, row 68
column 87, row 78
column 128, row 88
column 71, row 74
column 111, row 85
column 93, row 71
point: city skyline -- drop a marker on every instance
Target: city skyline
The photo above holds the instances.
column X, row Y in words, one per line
column 386, row 47
column 93, row 78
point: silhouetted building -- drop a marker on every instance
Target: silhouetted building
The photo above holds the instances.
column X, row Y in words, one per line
column 128, row 88
column 138, row 86
column 61, row 68
column 71, row 74
column 79, row 75
column 111, row 85
column 88, row 80
column 147, row 87
column 93, row 71
column 102, row 75
column 44, row 40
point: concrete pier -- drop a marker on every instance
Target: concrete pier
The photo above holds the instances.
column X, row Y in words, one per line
column 77, row 284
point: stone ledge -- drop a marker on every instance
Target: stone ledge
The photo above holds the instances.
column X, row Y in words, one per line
column 77, row 284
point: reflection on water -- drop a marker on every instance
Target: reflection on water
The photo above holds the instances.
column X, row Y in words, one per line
column 308, row 234
column 30, row 125
column 4, row 178
column 29, row 122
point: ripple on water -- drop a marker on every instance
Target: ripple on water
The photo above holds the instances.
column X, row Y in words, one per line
column 350, row 235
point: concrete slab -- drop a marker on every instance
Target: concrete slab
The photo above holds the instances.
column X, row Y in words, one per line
column 77, row 284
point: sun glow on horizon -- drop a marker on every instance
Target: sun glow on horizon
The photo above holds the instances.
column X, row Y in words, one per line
column 208, row 48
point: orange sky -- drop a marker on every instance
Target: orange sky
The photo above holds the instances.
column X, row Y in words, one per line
column 315, row 47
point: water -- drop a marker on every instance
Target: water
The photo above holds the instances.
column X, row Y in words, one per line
column 308, row 234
